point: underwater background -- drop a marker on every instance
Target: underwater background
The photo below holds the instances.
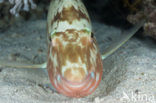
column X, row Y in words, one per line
column 129, row 74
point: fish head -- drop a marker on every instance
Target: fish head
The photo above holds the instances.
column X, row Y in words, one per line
column 74, row 63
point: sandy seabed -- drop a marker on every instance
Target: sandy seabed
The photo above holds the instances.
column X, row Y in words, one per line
column 129, row 74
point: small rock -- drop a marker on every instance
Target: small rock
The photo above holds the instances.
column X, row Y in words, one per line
column 14, row 56
column 40, row 50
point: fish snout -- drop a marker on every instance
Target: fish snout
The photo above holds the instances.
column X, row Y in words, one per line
column 77, row 89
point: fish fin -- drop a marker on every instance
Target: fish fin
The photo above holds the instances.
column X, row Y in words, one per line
column 127, row 35
column 22, row 65
column 49, row 85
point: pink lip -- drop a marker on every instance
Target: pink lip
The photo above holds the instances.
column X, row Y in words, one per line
column 77, row 89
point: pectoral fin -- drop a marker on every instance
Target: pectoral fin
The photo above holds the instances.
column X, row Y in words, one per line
column 22, row 65
column 117, row 44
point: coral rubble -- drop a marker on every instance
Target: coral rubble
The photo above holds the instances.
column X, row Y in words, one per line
column 20, row 4
column 147, row 10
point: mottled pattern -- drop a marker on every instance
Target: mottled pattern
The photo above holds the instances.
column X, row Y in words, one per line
column 74, row 62
column 67, row 14
column 75, row 48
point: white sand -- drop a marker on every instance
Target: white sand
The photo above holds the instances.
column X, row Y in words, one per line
column 129, row 72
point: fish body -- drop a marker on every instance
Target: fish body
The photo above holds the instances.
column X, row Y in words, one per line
column 74, row 63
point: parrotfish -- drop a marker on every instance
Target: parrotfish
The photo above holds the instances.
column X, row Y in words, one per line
column 74, row 63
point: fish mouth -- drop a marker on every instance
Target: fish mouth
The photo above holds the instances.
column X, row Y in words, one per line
column 77, row 89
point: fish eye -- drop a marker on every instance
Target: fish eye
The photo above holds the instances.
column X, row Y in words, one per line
column 51, row 36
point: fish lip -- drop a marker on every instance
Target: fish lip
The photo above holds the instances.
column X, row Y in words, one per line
column 77, row 89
